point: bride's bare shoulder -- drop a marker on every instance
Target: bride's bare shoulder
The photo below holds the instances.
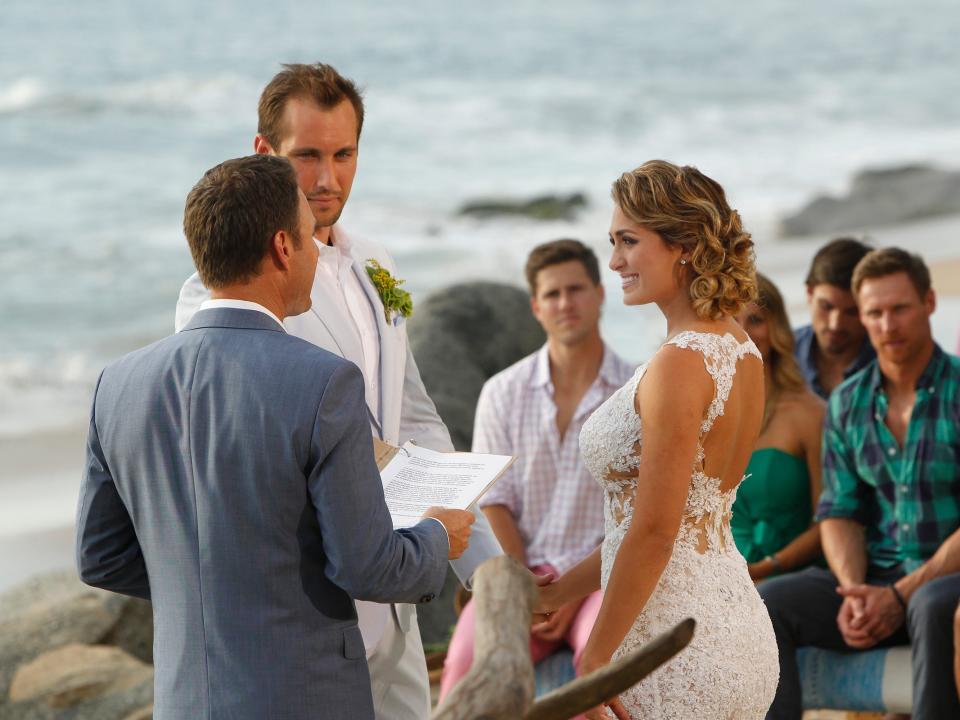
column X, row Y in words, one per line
column 677, row 373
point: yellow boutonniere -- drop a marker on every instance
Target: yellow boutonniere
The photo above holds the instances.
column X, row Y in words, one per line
column 393, row 298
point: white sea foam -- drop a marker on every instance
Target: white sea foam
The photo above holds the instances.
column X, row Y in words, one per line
column 21, row 94
column 38, row 393
column 161, row 95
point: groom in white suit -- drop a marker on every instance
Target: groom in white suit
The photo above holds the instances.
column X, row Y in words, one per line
column 313, row 116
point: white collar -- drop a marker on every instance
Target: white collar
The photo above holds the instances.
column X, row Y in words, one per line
column 340, row 247
column 239, row 305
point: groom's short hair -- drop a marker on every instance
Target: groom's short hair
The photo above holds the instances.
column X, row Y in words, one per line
column 320, row 83
column 233, row 212
column 561, row 251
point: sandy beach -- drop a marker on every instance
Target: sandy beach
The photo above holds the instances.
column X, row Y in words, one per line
column 946, row 277
column 39, row 480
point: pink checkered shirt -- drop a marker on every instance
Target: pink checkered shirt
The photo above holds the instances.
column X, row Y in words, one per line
column 556, row 503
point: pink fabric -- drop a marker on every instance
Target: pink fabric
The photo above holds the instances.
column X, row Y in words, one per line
column 460, row 653
column 557, row 505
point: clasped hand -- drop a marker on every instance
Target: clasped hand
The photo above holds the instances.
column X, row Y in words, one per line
column 552, row 614
column 868, row 615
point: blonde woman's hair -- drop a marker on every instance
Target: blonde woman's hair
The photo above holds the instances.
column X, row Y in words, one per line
column 784, row 370
column 688, row 209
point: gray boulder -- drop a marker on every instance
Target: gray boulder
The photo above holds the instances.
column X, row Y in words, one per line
column 460, row 337
column 80, row 682
column 56, row 609
column 880, row 197
column 543, row 207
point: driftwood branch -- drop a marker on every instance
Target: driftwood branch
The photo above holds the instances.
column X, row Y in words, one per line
column 499, row 685
column 589, row 691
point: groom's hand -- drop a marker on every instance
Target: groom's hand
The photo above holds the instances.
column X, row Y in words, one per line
column 457, row 524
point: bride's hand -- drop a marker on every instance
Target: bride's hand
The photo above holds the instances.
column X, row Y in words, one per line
column 588, row 664
column 549, row 596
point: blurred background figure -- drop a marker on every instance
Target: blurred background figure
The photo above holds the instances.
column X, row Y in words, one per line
column 956, row 648
column 834, row 345
column 889, row 511
column 772, row 516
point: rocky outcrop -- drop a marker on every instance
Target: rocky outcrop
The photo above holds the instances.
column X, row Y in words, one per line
column 880, row 197
column 81, row 682
column 54, row 633
column 543, row 207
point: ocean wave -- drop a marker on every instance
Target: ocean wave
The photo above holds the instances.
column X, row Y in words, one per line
column 37, row 395
column 22, row 94
column 175, row 93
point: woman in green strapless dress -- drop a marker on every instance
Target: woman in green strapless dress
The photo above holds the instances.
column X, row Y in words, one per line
column 772, row 519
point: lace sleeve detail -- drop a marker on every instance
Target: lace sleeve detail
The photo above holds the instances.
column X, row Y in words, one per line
column 610, row 443
column 720, row 356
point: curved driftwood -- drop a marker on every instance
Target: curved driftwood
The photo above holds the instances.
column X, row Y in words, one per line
column 591, row 690
column 499, row 685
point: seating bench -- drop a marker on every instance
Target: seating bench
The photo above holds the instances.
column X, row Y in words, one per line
column 873, row 681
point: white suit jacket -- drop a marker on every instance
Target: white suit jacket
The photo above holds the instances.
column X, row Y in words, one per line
column 406, row 411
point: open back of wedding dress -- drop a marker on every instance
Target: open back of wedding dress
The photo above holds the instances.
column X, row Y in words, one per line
column 730, row 669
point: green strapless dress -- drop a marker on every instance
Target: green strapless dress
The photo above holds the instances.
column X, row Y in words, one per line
column 772, row 505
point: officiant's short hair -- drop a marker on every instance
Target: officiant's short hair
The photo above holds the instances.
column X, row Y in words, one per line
column 561, row 251
column 233, row 212
column 319, row 83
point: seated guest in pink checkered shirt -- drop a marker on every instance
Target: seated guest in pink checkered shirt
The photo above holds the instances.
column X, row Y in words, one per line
column 546, row 510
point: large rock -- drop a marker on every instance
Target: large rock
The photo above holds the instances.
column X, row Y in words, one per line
column 80, row 682
column 56, row 609
column 543, row 207
column 880, row 197
column 460, row 336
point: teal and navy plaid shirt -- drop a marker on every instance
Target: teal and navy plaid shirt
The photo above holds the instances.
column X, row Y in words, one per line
column 907, row 498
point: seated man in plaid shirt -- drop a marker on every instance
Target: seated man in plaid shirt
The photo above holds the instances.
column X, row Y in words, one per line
column 546, row 510
column 890, row 509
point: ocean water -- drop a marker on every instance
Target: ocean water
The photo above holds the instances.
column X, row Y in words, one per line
column 110, row 111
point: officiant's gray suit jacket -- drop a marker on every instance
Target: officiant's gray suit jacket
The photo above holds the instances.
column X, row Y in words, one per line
column 230, row 479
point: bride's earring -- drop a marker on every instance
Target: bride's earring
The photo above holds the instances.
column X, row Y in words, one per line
column 683, row 261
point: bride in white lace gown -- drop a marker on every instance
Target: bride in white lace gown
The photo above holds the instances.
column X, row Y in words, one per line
column 669, row 449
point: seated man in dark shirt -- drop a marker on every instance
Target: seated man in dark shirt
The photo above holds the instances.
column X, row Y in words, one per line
column 834, row 346
column 890, row 508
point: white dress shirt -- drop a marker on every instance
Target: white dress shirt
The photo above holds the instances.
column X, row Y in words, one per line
column 556, row 503
column 239, row 305
column 337, row 267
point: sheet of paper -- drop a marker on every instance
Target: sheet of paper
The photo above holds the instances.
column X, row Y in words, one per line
column 417, row 478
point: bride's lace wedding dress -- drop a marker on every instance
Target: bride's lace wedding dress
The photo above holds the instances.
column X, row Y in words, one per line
column 730, row 669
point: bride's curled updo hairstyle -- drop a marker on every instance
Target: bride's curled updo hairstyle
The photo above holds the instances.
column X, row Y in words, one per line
column 688, row 209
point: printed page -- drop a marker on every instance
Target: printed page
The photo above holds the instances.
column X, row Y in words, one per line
column 417, row 478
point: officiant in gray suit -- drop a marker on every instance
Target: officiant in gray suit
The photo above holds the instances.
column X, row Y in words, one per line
column 230, row 479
